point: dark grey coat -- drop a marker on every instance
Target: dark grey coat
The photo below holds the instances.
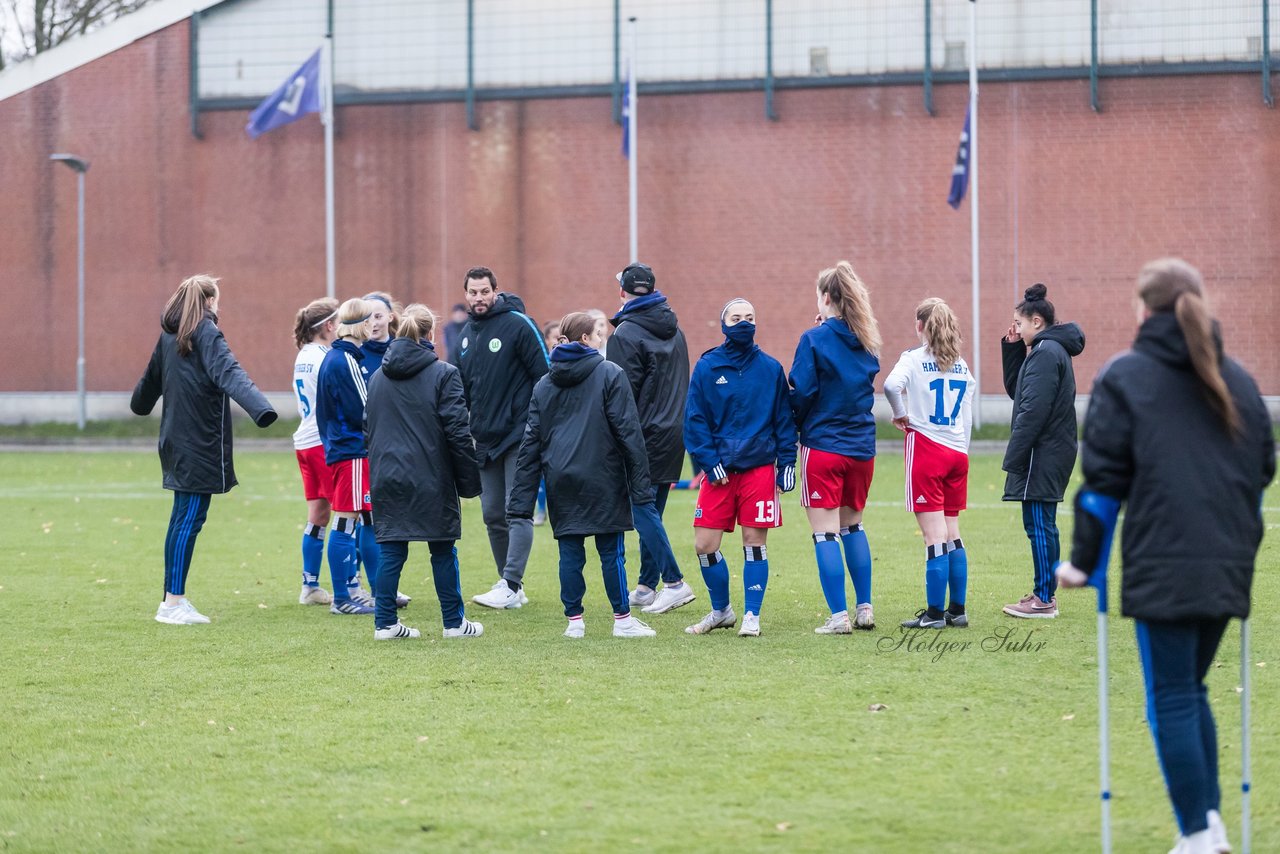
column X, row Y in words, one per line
column 195, row 425
column 584, row 438
column 1042, row 441
column 421, row 455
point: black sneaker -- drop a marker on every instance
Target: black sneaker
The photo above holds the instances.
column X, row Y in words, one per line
column 957, row 621
column 924, row 621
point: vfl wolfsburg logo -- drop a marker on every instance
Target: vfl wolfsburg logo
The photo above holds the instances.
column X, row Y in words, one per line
column 495, row 345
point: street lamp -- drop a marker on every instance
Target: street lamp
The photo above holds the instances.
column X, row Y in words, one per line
column 81, row 166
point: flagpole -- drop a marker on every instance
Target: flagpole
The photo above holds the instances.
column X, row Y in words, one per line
column 973, row 211
column 633, row 153
column 326, row 88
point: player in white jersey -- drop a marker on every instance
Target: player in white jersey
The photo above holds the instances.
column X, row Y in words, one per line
column 313, row 330
column 931, row 393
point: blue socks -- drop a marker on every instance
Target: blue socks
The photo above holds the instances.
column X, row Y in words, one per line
column 716, row 576
column 831, row 571
column 342, row 559
column 857, row 554
column 312, row 554
column 936, row 569
column 755, row 577
column 370, row 553
column 957, row 571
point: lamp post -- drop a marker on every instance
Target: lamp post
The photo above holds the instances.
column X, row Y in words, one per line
column 81, row 166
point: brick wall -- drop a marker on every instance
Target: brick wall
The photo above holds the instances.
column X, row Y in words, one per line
column 731, row 204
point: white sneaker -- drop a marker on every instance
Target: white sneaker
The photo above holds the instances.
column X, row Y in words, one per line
column 631, row 628
column 865, row 619
column 671, row 597
column 715, row 620
column 1197, row 843
column 501, row 596
column 750, row 626
column 836, row 624
column 174, row 615
column 468, row 629
column 399, row 630
column 641, row 598
column 1218, row 834
column 576, row 629
column 193, row 615
column 314, row 596
column 363, row 597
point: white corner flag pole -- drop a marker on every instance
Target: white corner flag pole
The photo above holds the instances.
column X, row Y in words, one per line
column 633, row 152
column 326, row 116
column 1246, row 771
column 973, row 212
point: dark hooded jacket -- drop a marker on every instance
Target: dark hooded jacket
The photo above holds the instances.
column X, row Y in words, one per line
column 649, row 346
column 1193, row 493
column 501, row 356
column 195, row 425
column 1042, row 442
column 584, row 439
column 421, row 457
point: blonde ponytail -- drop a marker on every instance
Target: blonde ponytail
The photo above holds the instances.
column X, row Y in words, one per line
column 186, row 308
column 941, row 332
column 852, row 303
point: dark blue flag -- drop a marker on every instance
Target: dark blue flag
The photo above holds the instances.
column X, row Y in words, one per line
column 296, row 97
column 626, row 118
column 960, row 174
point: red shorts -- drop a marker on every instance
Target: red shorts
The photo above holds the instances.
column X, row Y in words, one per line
column 316, row 478
column 349, row 490
column 749, row 498
column 937, row 476
column 828, row 480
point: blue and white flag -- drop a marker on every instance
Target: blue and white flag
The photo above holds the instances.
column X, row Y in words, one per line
column 297, row 96
column 626, row 118
column 960, row 174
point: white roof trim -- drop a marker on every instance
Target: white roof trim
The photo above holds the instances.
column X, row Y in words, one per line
column 82, row 50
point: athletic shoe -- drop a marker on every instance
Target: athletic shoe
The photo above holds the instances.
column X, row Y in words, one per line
column 402, row 600
column 671, row 597
column 500, row 596
column 750, row 626
column 575, row 629
column 641, row 598
column 364, row 597
column 193, row 615
column 176, row 615
column 726, row 620
column 1218, row 834
column 350, row 606
column 630, row 627
column 865, row 619
column 539, row 518
column 468, row 629
column 956, row 621
column 1197, row 843
column 1031, row 606
column 399, row 630
column 314, row 596
column 924, row 621
column 836, row 624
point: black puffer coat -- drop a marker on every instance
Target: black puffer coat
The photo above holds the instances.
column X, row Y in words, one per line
column 1193, row 523
column 195, row 425
column 584, row 438
column 1042, row 441
column 421, row 456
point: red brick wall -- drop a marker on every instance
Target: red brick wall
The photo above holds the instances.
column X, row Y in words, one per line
column 731, row 204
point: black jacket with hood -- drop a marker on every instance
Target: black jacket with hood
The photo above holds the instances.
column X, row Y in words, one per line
column 1042, row 442
column 1193, row 493
column 501, row 356
column 421, row 457
column 649, row 346
column 195, row 424
column 584, row 438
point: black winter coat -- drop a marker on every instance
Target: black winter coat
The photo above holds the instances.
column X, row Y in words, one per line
column 501, row 356
column 649, row 346
column 195, row 424
column 584, row 438
column 1042, row 442
column 1193, row 520
column 421, row 457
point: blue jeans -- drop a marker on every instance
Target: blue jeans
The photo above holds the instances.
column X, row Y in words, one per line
column 1040, row 520
column 444, row 572
column 656, row 556
column 613, row 566
column 185, row 521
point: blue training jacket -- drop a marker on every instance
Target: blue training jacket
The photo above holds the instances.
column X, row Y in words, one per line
column 340, row 396
column 739, row 419
column 374, row 351
column 832, row 390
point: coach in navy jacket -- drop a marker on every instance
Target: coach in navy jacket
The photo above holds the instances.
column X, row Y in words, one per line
column 835, row 417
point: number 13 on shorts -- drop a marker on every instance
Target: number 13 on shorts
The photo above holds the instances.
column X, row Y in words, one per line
column 767, row 512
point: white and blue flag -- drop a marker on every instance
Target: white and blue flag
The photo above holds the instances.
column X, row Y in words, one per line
column 626, row 118
column 960, row 174
column 297, row 96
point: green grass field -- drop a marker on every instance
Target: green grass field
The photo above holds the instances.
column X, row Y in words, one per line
column 280, row 727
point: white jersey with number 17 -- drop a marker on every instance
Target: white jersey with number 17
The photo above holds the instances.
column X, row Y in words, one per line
column 306, row 368
column 938, row 405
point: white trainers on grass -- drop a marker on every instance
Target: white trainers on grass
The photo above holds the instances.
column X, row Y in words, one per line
column 399, row 630
column 468, row 629
column 750, row 626
column 836, row 624
column 669, row 598
column 1218, row 834
column 865, row 618
column 501, row 596
column 314, row 596
column 181, row 614
column 630, row 627
column 575, row 629
column 725, row 619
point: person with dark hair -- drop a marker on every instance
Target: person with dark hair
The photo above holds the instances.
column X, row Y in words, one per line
column 193, row 369
column 501, row 356
column 453, row 332
column 313, row 330
column 1179, row 433
column 650, row 347
column 583, row 437
column 1037, row 353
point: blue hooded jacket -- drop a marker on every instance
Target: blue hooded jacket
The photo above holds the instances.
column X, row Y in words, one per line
column 833, row 389
column 341, row 390
column 374, row 353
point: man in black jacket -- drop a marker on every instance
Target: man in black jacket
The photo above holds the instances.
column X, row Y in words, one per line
column 650, row 348
column 501, row 356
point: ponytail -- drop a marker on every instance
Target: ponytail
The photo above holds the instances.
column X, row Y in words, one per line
column 311, row 317
column 186, row 309
column 941, row 332
column 417, row 322
column 1173, row 285
column 852, row 303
